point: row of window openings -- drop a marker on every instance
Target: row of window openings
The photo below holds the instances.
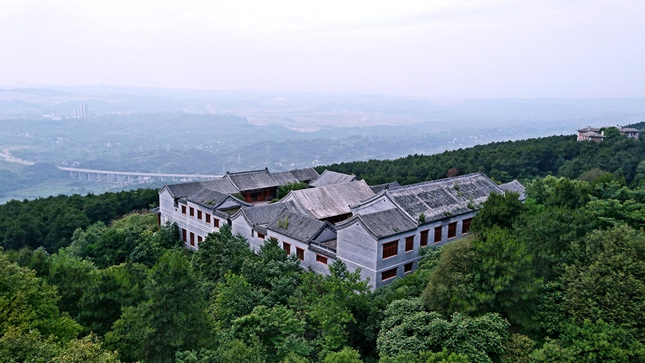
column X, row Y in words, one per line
column 300, row 253
column 391, row 249
column 391, row 273
column 189, row 237
column 191, row 211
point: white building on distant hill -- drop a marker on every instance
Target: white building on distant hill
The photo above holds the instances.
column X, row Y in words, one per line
column 378, row 229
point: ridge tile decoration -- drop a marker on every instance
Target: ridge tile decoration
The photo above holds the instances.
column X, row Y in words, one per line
column 377, row 229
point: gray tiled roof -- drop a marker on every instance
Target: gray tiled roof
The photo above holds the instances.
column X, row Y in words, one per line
column 442, row 198
column 380, row 187
column 516, row 187
column 262, row 214
column 330, row 200
column 207, row 198
column 589, row 128
column 305, row 175
column 284, row 177
column 295, row 225
column 220, row 185
column 331, row 177
column 384, row 223
column 252, row 180
column 183, row 190
column 629, row 129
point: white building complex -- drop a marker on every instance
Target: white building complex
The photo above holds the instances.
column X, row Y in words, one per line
column 378, row 229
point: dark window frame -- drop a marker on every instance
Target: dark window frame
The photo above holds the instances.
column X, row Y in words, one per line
column 390, row 249
column 409, row 244
column 465, row 225
column 407, row 268
column 207, row 218
column 423, row 239
column 389, row 274
column 191, row 211
column 286, row 247
column 321, row 259
column 452, row 230
column 300, row 253
column 438, row 232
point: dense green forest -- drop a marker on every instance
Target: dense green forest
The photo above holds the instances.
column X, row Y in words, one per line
column 505, row 161
column 559, row 278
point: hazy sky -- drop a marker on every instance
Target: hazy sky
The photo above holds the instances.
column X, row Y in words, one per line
column 470, row 48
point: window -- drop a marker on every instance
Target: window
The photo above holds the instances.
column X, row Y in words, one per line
column 424, row 238
column 300, row 253
column 208, row 218
column 286, row 247
column 438, row 231
column 452, row 229
column 386, row 275
column 192, row 211
column 192, row 239
column 199, row 215
column 199, row 239
column 409, row 243
column 465, row 227
column 407, row 267
column 183, row 209
column 183, row 235
column 260, row 235
column 322, row 259
column 390, row 249
column 216, row 222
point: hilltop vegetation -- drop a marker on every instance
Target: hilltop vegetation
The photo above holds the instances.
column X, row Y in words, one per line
column 505, row 161
column 560, row 277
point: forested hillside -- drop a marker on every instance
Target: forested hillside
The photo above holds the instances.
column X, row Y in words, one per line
column 559, row 278
column 505, row 161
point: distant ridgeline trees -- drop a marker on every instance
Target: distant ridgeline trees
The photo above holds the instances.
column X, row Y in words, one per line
column 50, row 222
column 558, row 278
column 505, row 161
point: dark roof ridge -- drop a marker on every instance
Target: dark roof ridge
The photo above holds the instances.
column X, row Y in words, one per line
column 266, row 169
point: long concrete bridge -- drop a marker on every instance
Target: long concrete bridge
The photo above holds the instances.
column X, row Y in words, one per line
column 127, row 177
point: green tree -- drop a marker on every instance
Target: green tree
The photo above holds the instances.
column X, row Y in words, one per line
column 345, row 355
column 427, row 357
column 283, row 190
column 278, row 330
column 591, row 343
column 73, row 276
column 607, row 279
column 498, row 210
column 409, row 328
column 172, row 319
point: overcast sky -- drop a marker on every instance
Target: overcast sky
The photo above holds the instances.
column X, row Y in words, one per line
column 470, row 48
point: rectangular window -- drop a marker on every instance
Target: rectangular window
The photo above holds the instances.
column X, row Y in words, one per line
column 286, row 247
column 208, row 218
column 424, row 238
column 438, row 231
column 183, row 235
column 452, row 230
column 199, row 215
column 465, row 227
column 386, row 275
column 183, row 209
column 390, row 249
column 407, row 267
column 192, row 239
column 260, row 235
column 199, row 239
column 321, row 259
column 409, row 243
column 300, row 253
column 216, row 222
column 192, row 211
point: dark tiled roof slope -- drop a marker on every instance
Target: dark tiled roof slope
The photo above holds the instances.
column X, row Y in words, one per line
column 331, row 177
column 515, row 186
column 442, row 198
column 387, row 223
column 380, row 187
column 252, row 180
column 305, row 175
column 296, row 226
column 330, row 200
column 183, row 190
